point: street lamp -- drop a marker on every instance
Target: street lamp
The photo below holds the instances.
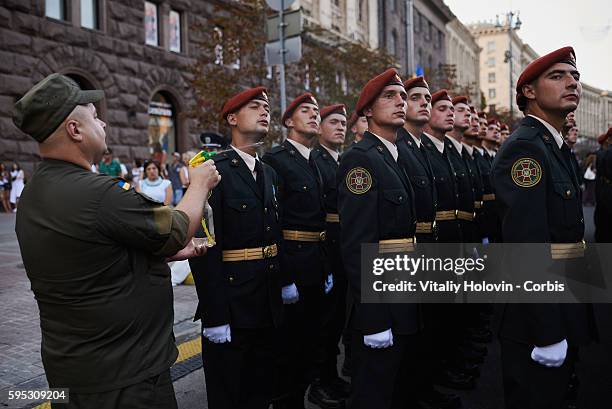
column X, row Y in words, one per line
column 513, row 24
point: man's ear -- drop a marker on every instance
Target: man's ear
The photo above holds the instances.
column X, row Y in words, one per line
column 367, row 112
column 529, row 91
column 232, row 120
column 289, row 123
column 73, row 130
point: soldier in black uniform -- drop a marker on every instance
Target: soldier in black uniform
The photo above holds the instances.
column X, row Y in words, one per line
column 603, row 190
column 444, row 324
column 375, row 203
column 239, row 281
column 305, row 267
column 326, row 155
column 539, row 196
column 95, row 251
column 482, row 181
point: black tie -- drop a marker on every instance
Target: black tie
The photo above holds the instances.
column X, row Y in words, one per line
column 260, row 178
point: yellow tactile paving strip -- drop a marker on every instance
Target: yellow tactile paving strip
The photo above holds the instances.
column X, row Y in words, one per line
column 187, row 350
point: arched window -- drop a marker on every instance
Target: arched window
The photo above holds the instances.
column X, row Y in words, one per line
column 162, row 126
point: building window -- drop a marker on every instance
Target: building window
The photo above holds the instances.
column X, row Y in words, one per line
column 393, row 43
column 491, row 62
column 151, row 24
column 362, row 11
column 491, row 93
column 162, row 125
column 415, row 21
column 429, row 30
column 174, row 25
column 56, row 9
column 490, row 46
column 491, row 77
column 89, row 14
column 440, row 38
column 393, row 5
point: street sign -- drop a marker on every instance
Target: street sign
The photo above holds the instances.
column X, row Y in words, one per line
column 277, row 4
column 294, row 23
column 293, row 51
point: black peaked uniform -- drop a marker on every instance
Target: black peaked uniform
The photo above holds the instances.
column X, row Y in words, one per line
column 465, row 191
column 416, row 163
column 489, row 216
column 244, row 293
column 603, row 196
column 540, row 202
column 303, row 262
column 336, row 300
column 375, row 202
column 478, row 188
column 449, row 230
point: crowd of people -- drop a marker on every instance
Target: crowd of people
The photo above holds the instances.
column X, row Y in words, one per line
column 281, row 286
column 12, row 182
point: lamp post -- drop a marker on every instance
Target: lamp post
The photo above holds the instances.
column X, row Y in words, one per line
column 512, row 24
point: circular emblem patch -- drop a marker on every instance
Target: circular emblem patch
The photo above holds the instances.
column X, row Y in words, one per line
column 526, row 172
column 358, row 181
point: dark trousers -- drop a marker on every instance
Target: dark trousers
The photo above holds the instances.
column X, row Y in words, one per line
column 334, row 312
column 241, row 374
column 384, row 378
column 302, row 350
column 529, row 385
column 155, row 392
column 594, row 371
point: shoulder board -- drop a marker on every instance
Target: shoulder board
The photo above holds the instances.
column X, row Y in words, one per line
column 526, row 132
column 220, row 157
column 277, row 149
column 364, row 145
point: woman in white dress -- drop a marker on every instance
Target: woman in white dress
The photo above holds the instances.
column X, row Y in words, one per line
column 17, row 179
column 153, row 185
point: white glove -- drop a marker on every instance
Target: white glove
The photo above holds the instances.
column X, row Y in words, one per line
column 219, row 334
column 551, row 356
column 381, row 340
column 290, row 294
column 329, row 283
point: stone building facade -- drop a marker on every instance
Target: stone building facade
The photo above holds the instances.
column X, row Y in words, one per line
column 463, row 53
column 105, row 45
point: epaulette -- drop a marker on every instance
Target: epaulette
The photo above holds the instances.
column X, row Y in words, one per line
column 277, row 149
column 220, row 157
column 364, row 145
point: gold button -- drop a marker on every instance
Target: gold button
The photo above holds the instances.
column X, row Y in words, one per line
column 266, row 209
column 400, row 198
column 569, row 192
column 244, row 206
column 271, row 266
column 231, row 279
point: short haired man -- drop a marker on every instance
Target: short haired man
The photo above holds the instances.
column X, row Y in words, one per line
column 239, row 281
column 95, row 252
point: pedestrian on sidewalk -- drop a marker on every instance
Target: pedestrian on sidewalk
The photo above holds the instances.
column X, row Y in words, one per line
column 17, row 184
column 5, row 182
column 96, row 253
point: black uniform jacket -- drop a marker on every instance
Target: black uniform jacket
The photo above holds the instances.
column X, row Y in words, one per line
column 244, row 294
column 375, row 202
column 540, row 202
column 301, row 198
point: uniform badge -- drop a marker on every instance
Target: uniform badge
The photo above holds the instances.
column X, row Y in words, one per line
column 123, row 185
column 358, row 181
column 526, row 172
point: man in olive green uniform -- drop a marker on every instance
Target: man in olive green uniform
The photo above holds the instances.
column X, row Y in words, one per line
column 95, row 253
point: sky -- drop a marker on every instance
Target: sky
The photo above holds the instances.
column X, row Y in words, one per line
column 548, row 25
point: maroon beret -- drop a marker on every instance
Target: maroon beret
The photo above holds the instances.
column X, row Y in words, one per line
column 239, row 100
column 472, row 109
column 482, row 114
column 460, row 99
column 352, row 120
column 504, row 127
column 537, row 68
column 493, row 121
column 374, row 87
column 416, row 82
column 439, row 96
column 305, row 98
column 333, row 109
column 604, row 136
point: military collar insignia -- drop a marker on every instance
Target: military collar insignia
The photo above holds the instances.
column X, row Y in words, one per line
column 292, row 152
column 380, row 148
column 526, row 172
column 234, row 162
column 358, row 181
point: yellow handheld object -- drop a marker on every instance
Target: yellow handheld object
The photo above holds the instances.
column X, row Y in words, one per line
column 197, row 160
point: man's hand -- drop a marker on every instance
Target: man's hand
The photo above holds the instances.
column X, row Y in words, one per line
column 551, row 356
column 218, row 335
column 189, row 251
column 205, row 175
column 380, row 340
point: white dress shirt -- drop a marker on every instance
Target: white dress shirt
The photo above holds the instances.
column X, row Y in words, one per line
column 553, row 131
column 416, row 140
column 303, row 150
column 458, row 145
column 248, row 160
column 334, row 154
column 390, row 146
column 437, row 143
column 469, row 149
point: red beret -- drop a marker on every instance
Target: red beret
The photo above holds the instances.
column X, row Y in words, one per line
column 537, row 68
column 472, row 109
column 305, row 98
column 416, row 82
column 333, row 109
column 460, row 99
column 504, row 127
column 439, row 96
column 482, row 114
column 374, row 87
column 239, row 100
column 493, row 121
column 352, row 120
column 604, row 136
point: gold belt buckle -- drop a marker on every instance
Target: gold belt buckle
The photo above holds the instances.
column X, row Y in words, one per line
column 322, row 236
column 268, row 251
